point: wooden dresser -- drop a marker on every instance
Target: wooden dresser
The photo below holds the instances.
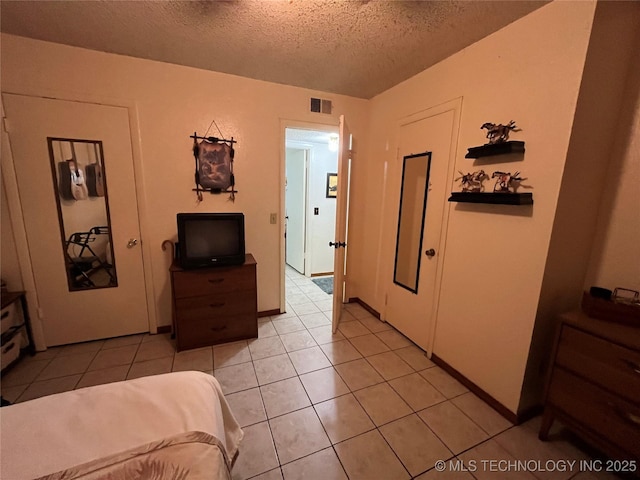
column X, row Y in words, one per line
column 214, row 305
column 594, row 384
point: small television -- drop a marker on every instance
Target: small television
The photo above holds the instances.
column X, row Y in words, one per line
column 210, row 239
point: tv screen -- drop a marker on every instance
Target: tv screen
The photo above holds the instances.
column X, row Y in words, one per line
column 210, row 239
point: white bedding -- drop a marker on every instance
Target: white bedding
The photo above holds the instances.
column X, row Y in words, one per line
column 55, row 433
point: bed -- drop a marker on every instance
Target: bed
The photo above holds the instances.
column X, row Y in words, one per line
column 176, row 425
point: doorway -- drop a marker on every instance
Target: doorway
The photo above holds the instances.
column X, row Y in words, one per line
column 311, row 161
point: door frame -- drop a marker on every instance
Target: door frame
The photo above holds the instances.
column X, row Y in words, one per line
column 14, row 204
column 331, row 126
column 385, row 277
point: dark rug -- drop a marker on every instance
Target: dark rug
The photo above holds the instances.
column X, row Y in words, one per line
column 325, row 283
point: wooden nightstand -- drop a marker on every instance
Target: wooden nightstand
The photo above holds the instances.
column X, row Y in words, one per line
column 594, row 384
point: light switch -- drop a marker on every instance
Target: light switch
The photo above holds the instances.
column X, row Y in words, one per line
column 316, row 211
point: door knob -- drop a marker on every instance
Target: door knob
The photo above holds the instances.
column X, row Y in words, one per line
column 430, row 253
column 132, row 242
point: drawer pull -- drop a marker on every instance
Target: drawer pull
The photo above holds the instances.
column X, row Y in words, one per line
column 216, row 280
column 9, row 348
column 216, row 305
column 632, row 365
column 5, row 315
column 219, row 329
column 628, row 417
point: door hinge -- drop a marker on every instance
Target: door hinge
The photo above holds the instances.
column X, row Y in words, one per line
column 5, row 124
column 386, row 298
column 40, row 313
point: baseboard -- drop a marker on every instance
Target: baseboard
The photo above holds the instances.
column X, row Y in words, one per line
column 164, row 329
column 325, row 274
column 364, row 305
column 492, row 402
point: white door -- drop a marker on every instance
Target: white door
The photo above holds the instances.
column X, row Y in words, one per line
column 80, row 315
column 411, row 310
column 295, row 205
column 342, row 202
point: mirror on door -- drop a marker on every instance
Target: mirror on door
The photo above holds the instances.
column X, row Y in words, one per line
column 411, row 217
column 79, row 181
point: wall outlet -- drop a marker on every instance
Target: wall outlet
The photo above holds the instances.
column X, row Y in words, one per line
column 273, row 218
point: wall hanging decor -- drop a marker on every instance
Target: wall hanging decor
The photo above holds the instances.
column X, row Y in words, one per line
column 332, row 185
column 505, row 189
column 498, row 141
column 214, row 165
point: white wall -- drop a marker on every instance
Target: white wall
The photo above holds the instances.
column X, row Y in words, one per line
column 321, row 226
column 530, row 71
column 172, row 102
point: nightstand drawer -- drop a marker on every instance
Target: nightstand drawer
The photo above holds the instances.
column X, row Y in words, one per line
column 611, row 366
column 8, row 317
column 199, row 332
column 604, row 414
column 194, row 283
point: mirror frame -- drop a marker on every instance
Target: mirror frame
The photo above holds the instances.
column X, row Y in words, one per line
column 56, row 189
column 424, row 211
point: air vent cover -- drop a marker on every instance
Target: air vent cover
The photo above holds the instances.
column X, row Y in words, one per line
column 321, row 105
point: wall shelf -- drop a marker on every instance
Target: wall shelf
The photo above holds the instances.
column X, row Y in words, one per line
column 495, row 149
column 491, row 197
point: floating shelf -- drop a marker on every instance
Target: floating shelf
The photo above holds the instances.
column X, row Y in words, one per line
column 495, row 198
column 495, row 149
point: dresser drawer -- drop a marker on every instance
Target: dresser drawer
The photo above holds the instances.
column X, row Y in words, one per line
column 202, row 331
column 604, row 414
column 611, row 366
column 221, row 304
column 194, row 283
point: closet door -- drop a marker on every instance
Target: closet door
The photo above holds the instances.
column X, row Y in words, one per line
column 419, row 188
column 99, row 291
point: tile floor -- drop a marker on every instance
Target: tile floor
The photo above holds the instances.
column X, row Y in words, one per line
column 364, row 403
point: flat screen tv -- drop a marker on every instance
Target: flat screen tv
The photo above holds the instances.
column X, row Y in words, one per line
column 210, row 239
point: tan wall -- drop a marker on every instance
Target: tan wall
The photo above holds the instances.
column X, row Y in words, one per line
column 530, row 72
column 608, row 95
column 615, row 260
column 173, row 102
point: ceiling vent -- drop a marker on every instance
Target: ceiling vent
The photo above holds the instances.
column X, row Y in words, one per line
column 319, row 105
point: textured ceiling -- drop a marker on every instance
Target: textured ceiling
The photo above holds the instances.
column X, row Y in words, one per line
column 353, row 47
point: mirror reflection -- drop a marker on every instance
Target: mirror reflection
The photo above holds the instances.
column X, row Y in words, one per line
column 83, row 212
column 411, row 218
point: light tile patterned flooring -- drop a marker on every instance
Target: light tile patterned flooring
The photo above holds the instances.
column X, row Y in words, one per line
column 364, row 403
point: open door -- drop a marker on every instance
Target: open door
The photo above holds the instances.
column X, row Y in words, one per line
column 340, row 242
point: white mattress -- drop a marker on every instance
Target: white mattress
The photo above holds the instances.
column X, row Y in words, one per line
column 57, row 432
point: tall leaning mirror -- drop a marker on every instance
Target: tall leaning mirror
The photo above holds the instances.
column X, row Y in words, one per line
column 411, row 218
column 79, row 180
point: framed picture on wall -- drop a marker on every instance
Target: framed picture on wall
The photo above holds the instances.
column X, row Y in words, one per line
column 332, row 185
